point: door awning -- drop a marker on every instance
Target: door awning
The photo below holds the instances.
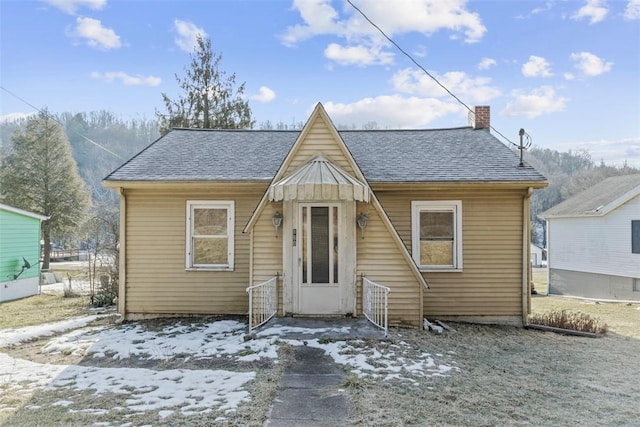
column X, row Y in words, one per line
column 319, row 180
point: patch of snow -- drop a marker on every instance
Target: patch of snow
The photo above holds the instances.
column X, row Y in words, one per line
column 184, row 390
column 27, row 333
column 369, row 361
column 223, row 338
column 149, row 390
column 74, row 343
column 21, row 378
column 78, row 287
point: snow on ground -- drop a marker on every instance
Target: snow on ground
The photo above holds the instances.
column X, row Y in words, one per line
column 18, row 335
column 21, row 377
column 149, row 390
column 78, row 287
column 223, row 338
column 189, row 391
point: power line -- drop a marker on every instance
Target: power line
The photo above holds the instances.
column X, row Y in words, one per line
column 423, row 69
column 47, row 115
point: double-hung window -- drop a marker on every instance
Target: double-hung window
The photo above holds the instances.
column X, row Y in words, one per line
column 437, row 235
column 210, row 229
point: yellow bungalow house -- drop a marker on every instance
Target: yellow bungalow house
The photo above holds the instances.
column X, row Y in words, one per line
column 439, row 218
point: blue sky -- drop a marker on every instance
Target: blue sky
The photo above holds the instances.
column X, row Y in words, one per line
column 568, row 72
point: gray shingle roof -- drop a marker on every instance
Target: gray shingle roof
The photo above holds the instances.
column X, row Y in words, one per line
column 595, row 200
column 439, row 155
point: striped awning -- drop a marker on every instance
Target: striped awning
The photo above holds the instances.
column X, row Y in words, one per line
column 319, row 180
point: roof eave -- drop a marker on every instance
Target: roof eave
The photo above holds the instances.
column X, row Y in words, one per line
column 177, row 183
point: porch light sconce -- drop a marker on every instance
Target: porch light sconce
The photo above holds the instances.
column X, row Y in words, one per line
column 276, row 220
column 362, row 222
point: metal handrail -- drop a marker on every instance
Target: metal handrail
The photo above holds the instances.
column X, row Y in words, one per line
column 375, row 304
column 265, row 305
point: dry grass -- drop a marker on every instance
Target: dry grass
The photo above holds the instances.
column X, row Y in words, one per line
column 508, row 376
column 40, row 309
column 511, row 376
column 541, row 280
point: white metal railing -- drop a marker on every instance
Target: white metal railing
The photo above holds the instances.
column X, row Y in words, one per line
column 263, row 303
column 375, row 304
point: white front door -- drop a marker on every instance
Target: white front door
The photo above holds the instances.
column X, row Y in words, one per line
column 324, row 259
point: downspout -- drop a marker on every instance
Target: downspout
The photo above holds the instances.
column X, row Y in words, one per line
column 122, row 259
column 526, row 256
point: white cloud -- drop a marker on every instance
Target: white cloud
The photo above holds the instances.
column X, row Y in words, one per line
column 12, row 117
column 594, row 10
column 71, row 6
column 357, row 55
column 126, row 79
column 540, row 9
column 486, row 63
column 537, row 66
column 393, row 111
column 590, row 64
column 613, row 152
column 424, row 16
column 632, row 11
column 569, row 76
column 187, row 34
column 540, row 101
column 94, row 34
column 264, row 95
column 319, row 17
column 469, row 89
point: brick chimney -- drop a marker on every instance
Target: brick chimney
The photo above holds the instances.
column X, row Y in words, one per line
column 481, row 118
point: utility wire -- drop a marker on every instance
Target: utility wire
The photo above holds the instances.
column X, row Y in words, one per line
column 44, row 113
column 423, row 69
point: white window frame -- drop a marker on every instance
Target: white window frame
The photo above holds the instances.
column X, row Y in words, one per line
column 229, row 205
column 454, row 206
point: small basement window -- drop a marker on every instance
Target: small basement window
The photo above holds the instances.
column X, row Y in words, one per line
column 437, row 235
column 210, row 227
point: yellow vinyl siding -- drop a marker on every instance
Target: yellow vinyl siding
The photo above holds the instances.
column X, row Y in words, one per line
column 319, row 140
column 491, row 281
column 379, row 259
column 156, row 279
column 267, row 250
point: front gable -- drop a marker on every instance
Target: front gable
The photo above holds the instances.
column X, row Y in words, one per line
column 320, row 150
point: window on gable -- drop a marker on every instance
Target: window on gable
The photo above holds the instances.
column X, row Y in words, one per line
column 635, row 236
column 437, row 235
column 210, row 229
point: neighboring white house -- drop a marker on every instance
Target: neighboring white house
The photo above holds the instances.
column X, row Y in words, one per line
column 593, row 240
column 538, row 256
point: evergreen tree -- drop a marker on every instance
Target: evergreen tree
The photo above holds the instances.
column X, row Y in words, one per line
column 39, row 174
column 209, row 98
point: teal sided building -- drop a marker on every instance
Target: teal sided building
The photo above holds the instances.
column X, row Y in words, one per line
column 19, row 252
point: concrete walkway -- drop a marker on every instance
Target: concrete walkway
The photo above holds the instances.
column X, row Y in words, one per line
column 310, row 393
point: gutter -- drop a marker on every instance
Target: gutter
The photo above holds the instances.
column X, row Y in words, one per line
column 122, row 259
column 526, row 255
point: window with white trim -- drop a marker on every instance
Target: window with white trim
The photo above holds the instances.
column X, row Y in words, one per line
column 210, row 227
column 436, row 228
